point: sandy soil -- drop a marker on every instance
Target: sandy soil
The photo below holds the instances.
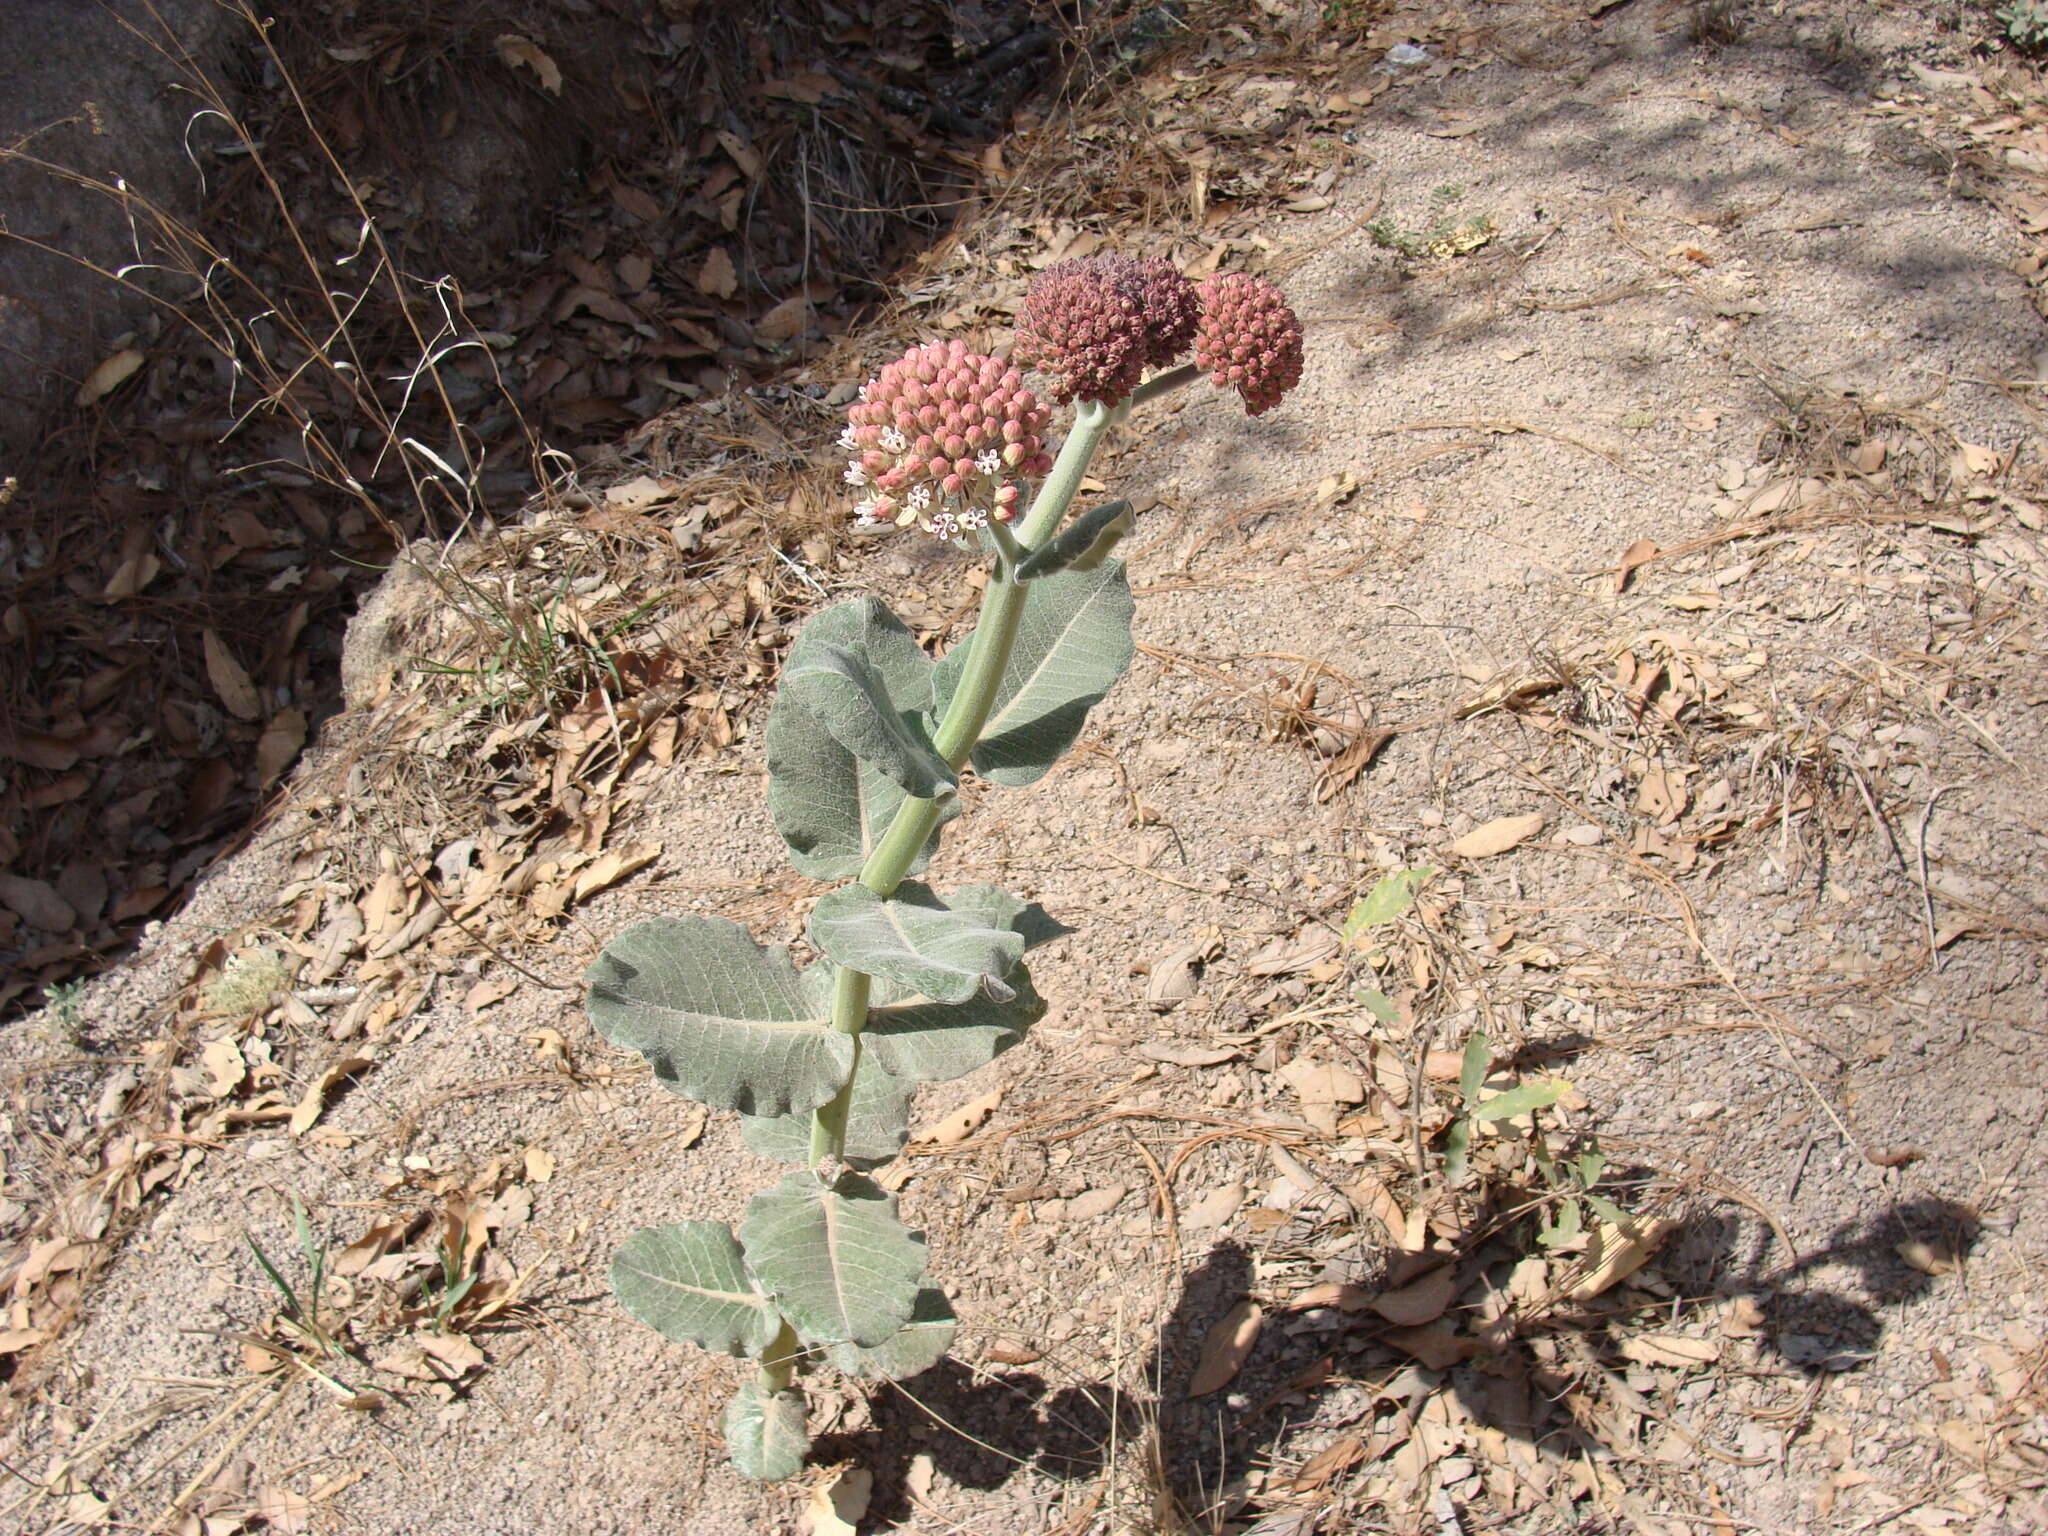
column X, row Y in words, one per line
column 1788, row 945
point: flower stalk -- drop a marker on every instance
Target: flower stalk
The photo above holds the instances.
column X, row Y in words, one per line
column 865, row 745
column 995, row 635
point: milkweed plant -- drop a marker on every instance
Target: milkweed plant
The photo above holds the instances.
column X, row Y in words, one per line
column 866, row 742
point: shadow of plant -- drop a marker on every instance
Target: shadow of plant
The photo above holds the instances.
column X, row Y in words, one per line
column 1557, row 1384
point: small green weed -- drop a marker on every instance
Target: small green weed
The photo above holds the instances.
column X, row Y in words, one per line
column 1444, row 235
column 301, row 1313
column 542, row 659
column 2026, row 23
column 59, row 1025
column 246, row 984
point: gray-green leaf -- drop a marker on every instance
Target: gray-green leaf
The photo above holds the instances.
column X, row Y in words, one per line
column 835, row 1258
column 688, row 1281
column 1073, row 643
column 829, row 806
column 846, row 693
column 722, row 1019
column 1472, row 1066
column 917, row 1346
column 765, row 1434
column 929, row 1042
column 915, row 939
column 877, row 1122
column 1522, row 1098
column 1393, row 895
column 1073, row 544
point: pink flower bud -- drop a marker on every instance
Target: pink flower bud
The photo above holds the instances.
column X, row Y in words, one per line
column 923, row 431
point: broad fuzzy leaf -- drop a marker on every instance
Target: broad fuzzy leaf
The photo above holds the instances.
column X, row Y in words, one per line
column 1072, row 645
column 847, row 694
column 1073, row 544
column 829, row 806
column 918, row 941
column 926, row 1042
column 765, row 1433
column 724, row 1020
column 688, row 1281
column 915, row 1038
column 917, row 1346
column 835, row 1258
column 877, row 1122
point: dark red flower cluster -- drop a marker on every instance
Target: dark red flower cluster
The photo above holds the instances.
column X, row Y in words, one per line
column 1084, row 324
column 1096, row 324
column 1248, row 340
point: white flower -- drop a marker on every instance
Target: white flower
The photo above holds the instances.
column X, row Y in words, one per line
column 855, row 475
column 943, row 525
column 989, row 462
column 973, row 517
column 920, row 496
column 847, row 440
column 864, row 515
column 894, row 441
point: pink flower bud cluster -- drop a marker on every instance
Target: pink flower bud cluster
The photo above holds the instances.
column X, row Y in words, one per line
column 1096, row 324
column 940, row 438
column 1248, row 339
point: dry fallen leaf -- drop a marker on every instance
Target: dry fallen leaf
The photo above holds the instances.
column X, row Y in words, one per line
column 515, row 50
column 1622, row 1251
column 838, row 1503
column 785, row 320
column 1670, row 1349
column 314, row 1100
column 955, row 1127
column 229, row 679
column 494, row 989
column 1225, row 1349
column 1178, row 1055
column 1976, row 459
column 1213, row 1209
column 1928, row 1258
column 281, row 741
column 225, row 1068
column 717, row 276
column 283, row 1511
column 1639, row 553
column 1437, row 1345
column 612, row 866
column 36, row 903
column 637, row 494
column 1497, row 836
column 540, row 1165
column 1419, row 1301
column 109, row 376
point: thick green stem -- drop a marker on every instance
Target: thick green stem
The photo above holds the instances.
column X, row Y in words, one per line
column 1164, row 383
column 778, row 1361
column 989, row 647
